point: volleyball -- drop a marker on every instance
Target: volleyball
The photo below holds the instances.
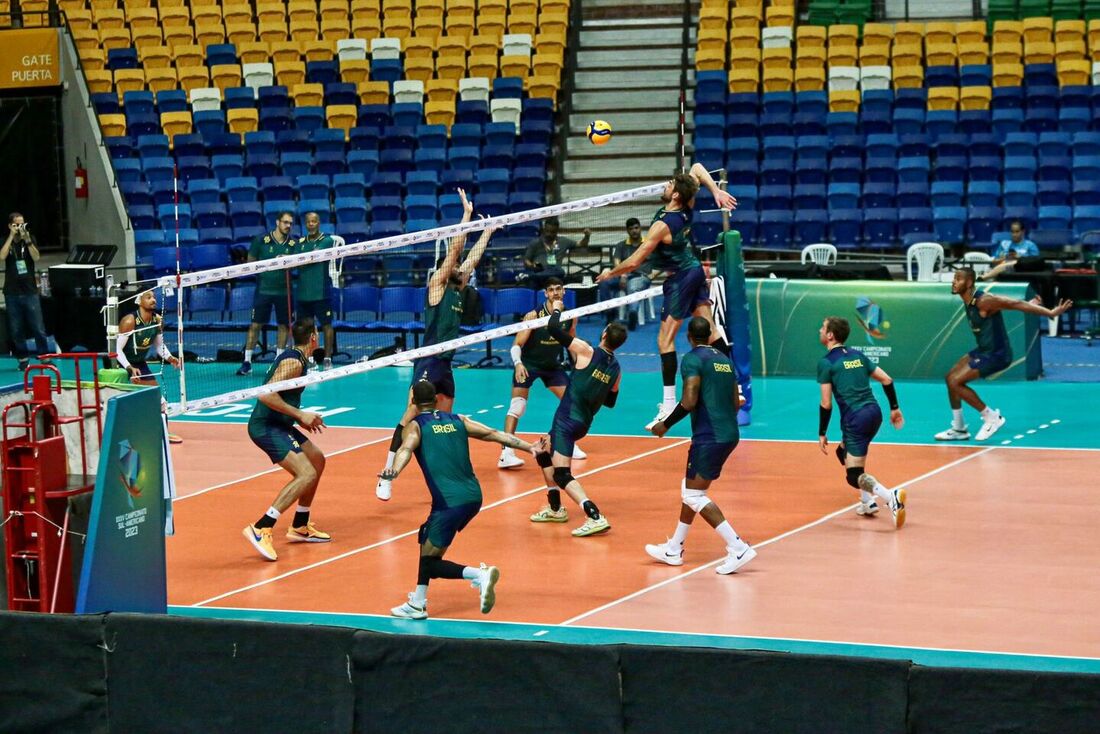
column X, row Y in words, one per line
column 598, row 132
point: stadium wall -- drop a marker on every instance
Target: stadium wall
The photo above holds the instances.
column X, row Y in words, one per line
column 126, row 672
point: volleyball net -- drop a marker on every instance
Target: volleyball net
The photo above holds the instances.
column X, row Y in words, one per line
column 376, row 291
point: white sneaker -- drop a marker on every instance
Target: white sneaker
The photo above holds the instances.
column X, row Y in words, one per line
column 592, row 527
column 897, row 507
column 384, row 489
column 408, row 610
column 869, row 509
column 735, row 560
column 579, row 454
column 487, row 579
column 508, row 459
column 663, row 552
column 548, row 515
column 990, row 426
column 954, row 434
column 662, row 413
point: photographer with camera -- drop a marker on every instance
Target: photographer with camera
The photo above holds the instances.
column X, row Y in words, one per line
column 545, row 255
column 20, row 253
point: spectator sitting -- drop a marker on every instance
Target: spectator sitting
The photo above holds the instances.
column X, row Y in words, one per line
column 1017, row 246
column 626, row 284
column 546, row 254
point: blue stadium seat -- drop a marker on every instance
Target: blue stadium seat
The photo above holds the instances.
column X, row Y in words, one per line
column 409, row 114
column 747, row 222
column 296, row 164
column 809, row 197
column 507, row 87
column 1021, row 144
column 172, row 100
column 941, row 76
column 880, row 169
column 1086, row 168
column 239, row 98
column 136, row 193
column 842, row 123
column 166, row 192
column 494, row 180
column 194, row 167
column 941, row 122
column 204, row 191
column 208, row 122
column 1019, row 193
column 275, row 207
column 122, row 58
column 983, row 194
column 1055, row 217
column 975, row 75
column 277, row 187
column 880, row 228
column 152, row 146
column 774, row 197
column 843, row 196
column 981, row 222
column 1086, row 219
column 374, row 116
column 947, row 193
column 846, row 170
column 382, row 208
column 742, row 149
column 775, row 123
column 321, row 207
column 260, row 141
column 1029, row 215
column 811, row 225
column 1052, row 193
column 241, row 188
column 844, row 227
column 809, row 123
column 349, row 185
column 261, row 165
column 1054, row 167
column 362, row 162
column 138, row 101
column 1007, row 98
column 1008, row 121
column 974, row 122
column 1019, row 168
column 1086, row 144
column 127, row 170
column 223, row 144
column 777, row 228
column 777, row 171
column 846, row 146
column 215, row 236
column 314, row 186
column 106, row 103
column 327, row 140
column 142, row 216
column 158, row 169
column 1086, row 193
column 908, row 120
column 879, row 195
column 364, row 137
column 746, row 195
column 246, row 214
column 949, row 223
column 915, row 219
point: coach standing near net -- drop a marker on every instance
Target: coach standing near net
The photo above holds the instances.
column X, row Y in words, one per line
column 20, row 253
column 685, row 289
column 314, row 297
column 271, row 286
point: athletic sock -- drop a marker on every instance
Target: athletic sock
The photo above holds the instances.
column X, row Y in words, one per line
column 553, row 497
column 301, row 517
column 668, row 370
column 420, row 595
column 866, row 497
column 733, row 540
column 590, row 509
column 470, row 573
column 248, row 355
column 267, row 520
column 676, row 542
column 882, row 492
column 987, row 413
column 957, row 419
column 668, row 400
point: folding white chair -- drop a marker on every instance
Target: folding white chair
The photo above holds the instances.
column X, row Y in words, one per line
column 928, row 257
column 821, row 253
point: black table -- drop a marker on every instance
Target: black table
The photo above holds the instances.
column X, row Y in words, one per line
column 807, row 271
column 75, row 320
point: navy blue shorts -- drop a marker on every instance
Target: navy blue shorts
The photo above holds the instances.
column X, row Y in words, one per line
column 859, row 426
column 706, row 459
column 442, row 525
column 564, row 434
column 550, row 378
column 276, row 441
column 684, row 292
column 989, row 363
column 319, row 311
column 262, row 305
column 436, row 371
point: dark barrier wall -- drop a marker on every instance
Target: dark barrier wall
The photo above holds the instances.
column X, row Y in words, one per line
column 133, row 673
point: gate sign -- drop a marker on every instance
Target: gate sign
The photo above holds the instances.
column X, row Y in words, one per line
column 30, row 58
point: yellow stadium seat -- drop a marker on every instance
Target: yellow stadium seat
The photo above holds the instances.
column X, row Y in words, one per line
column 341, row 117
column 711, row 41
column 1069, row 30
column 941, row 54
column 365, row 26
column 522, row 22
column 396, row 24
column 160, row 78
column 809, row 79
column 193, row 77
column 337, row 29
column 451, row 45
column 943, row 98
column 93, row 59
column 226, row 75
column 175, row 123
column 272, row 32
column 481, row 44
column 334, row 10
column 1094, row 33
column 844, row 100
column 812, row 56
column 779, row 15
column 523, row 6
column 778, row 79
column 842, row 34
column 1007, row 52
column 1008, row 75
column 318, row 49
column 746, row 16
column 304, row 31
column 807, row 36
column 129, row 80
column 81, row 19
column 254, row 52
column 450, row 66
column 714, row 17
column 361, row 7
column 420, row 69
column 156, row 57
column 427, row 27
column 270, row 13
column 206, row 15
column 483, row 65
column 208, row 35
column 285, row 52
column 742, row 37
column 776, row 58
column 143, row 37
column 842, row 55
column 553, row 22
column 308, row 95
column 547, row 64
column 878, row 33
column 374, row 92
column 1038, row 29
column 515, row 66
column 1074, row 72
column 909, row 32
column 908, row 77
column 242, row 33
column 188, row 54
column 237, row 13
column 289, row 73
column 441, row 90
column 1069, row 51
column 440, row 112
column 419, row 48
column 243, row 120
column 543, row 87
column 354, row 71
column 741, row 58
column 99, row 81
column 1038, row 52
column 1008, row 30
column 460, row 26
column 973, row 53
column 939, row 32
column 112, row 125
column 975, row 98
column 305, row 11
column 557, row 5
column 112, row 38
column 138, row 17
column 492, row 23
column 174, row 16
column 876, row 55
column 970, row 31
column 745, row 79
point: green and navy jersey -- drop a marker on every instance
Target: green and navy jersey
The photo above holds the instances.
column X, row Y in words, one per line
column 264, row 247
column 141, row 340
column 849, row 372
column 312, row 278
column 589, row 387
column 715, row 414
column 442, row 320
column 263, row 414
column 988, row 330
column 444, row 457
column 676, row 255
column 542, row 351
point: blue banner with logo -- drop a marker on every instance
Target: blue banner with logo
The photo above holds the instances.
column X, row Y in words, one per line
column 124, row 563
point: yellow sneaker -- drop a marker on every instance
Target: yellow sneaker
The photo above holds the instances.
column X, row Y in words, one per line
column 308, row 534
column 260, row 538
column 173, row 438
column 548, row 515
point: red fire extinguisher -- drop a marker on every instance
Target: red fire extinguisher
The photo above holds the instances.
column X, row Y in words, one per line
column 80, row 180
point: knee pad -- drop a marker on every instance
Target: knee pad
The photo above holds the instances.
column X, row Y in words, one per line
column 517, row 407
column 854, row 473
column 562, row 476
column 544, row 460
column 696, row 499
column 841, row 453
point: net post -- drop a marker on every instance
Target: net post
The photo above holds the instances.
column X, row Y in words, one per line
column 722, row 182
column 731, row 266
column 110, row 314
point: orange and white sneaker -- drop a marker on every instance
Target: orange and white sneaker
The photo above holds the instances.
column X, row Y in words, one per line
column 261, row 540
column 173, row 438
column 308, row 534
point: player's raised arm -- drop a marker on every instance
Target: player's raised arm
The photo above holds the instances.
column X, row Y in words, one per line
column 658, row 233
column 724, row 199
column 474, row 257
column 454, row 252
column 992, row 303
column 579, row 348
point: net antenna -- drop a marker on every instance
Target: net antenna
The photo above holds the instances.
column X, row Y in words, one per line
column 336, row 264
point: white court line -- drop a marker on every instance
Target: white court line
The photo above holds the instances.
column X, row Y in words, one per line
column 489, row 506
column 276, row 468
column 769, row 541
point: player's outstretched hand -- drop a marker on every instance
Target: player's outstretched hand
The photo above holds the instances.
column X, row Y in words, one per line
column 1064, row 305
column 725, row 200
column 312, row 422
column 467, row 205
column 135, row 374
column 521, row 372
column 823, row 442
column 541, row 446
column 659, row 429
column 897, row 420
column 603, row 275
column 174, row 361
